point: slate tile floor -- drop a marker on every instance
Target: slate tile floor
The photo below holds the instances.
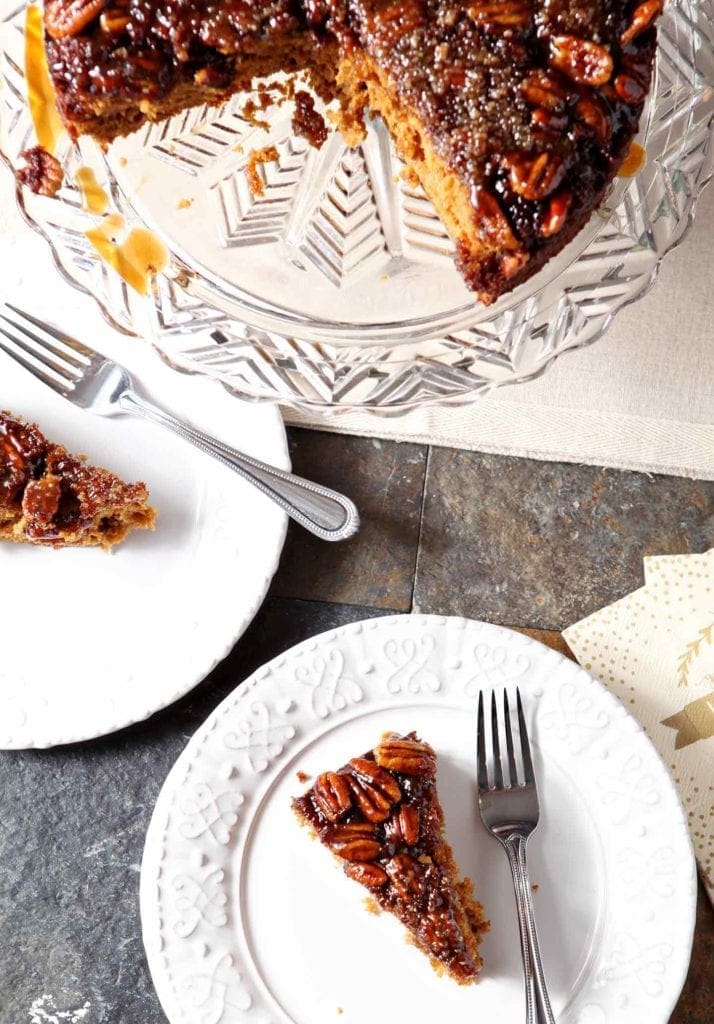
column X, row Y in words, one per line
column 526, row 544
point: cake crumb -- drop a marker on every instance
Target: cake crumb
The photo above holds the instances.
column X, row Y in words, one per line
column 42, row 172
column 307, row 122
column 340, row 1010
column 410, row 177
column 302, row 776
column 256, row 158
column 249, row 113
column 184, row 204
column 371, row 905
column 535, row 887
column 123, row 161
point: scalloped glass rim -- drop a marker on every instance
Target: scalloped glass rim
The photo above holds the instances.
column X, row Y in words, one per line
column 428, row 350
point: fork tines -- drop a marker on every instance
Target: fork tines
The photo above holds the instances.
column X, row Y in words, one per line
column 497, row 772
column 57, row 360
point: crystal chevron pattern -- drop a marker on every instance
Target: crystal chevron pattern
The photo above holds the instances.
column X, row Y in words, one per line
column 334, row 287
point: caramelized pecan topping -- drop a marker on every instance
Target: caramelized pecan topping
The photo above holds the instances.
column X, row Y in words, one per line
column 505, row 13
column 556, row 213
column 333, row 795
column 409, row 757
column 587, row 63
column 69, row 17
column 370, row 875
column 355, row 841
column 534, row 177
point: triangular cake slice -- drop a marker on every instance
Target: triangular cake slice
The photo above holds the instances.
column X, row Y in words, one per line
column 380, row 816
column 50, row 497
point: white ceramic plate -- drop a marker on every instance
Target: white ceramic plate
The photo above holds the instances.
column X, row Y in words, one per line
column 246, row 921
column 91, row 641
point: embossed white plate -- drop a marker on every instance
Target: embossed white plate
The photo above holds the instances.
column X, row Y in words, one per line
column 246, row 921
column 91, row 641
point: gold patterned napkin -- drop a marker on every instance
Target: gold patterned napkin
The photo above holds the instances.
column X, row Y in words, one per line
column 655, row 650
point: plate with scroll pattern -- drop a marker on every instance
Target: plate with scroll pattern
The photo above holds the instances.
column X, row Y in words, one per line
column 335, row 289
column 94, row 641
column 246, row 921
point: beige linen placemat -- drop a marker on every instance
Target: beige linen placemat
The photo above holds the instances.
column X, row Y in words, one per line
column 655, row 650
column 640, row 398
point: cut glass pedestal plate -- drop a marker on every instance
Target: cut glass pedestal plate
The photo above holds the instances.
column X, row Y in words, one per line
column 335, row 289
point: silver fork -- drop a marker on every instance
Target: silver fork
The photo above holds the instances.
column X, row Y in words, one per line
column 510, row 813
column 101, row 386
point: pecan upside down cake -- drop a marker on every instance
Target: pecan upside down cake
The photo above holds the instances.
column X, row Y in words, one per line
column 513, row 114
column 50, row 497
column 380, row 815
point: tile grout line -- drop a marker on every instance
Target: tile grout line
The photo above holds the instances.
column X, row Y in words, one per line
column 421, row 526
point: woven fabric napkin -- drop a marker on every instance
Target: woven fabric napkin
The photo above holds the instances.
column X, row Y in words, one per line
column 655, row 650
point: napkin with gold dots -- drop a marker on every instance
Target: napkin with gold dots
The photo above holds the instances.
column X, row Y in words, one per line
column 655, row 650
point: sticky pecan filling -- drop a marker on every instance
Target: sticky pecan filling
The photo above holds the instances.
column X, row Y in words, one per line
column 381, row 816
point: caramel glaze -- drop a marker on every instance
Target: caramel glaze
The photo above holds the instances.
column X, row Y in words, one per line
column 497, row 84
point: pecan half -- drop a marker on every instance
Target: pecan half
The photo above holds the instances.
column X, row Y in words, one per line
column 405, row 874
column 491, row 222
column 642, row 18
column 410, row 757
column 355, row 842
column 534, row 177
column 371, row 772
column 630, row 89
column 69, row 17
column 114, row 20
column 545, row 89
column 555, row 214
column 371, row 875
column 511, row 262
column 332, row 794
column 373, row 804
column 593, row 112
column 587, row 63
column 506, row 13
column 403, row 826
column 395, row 19
column 41, row 499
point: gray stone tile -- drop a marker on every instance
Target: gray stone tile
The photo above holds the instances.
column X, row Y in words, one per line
column 375, row 568
column 540, row 544
column 72, row 828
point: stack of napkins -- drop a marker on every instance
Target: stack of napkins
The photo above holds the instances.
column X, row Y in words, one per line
column 655, row 650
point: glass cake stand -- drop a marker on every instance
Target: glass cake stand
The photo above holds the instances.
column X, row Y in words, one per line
column 335, row 289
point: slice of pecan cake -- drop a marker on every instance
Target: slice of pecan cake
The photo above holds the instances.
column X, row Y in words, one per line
column 380, row 815
column 50, row 497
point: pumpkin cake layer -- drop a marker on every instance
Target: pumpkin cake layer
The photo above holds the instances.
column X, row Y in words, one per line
column 514, row 115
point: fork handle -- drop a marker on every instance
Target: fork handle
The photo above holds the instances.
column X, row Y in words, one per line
column 322, row 511
column 538, row 1009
